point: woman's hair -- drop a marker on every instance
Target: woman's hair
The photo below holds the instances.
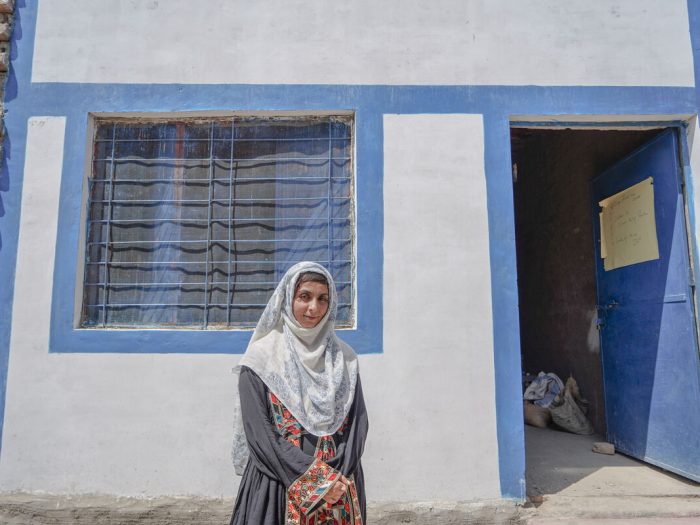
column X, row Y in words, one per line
column 311, row 277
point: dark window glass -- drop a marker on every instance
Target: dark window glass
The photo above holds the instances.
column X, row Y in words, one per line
column 192, row 223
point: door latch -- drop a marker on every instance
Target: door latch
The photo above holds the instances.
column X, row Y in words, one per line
column 603, row 310
column 612, row 303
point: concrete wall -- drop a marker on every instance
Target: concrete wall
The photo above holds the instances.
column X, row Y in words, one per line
column 549, row 42
column 161, row 424
column 432, row 87
column 438, row 351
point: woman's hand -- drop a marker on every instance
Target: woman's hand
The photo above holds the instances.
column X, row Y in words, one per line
column 339, row 488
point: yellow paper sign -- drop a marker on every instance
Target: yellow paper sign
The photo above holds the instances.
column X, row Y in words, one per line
column 628, row 227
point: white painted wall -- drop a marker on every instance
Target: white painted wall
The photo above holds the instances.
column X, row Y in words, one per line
column 432, row 394
column 158, row 424
column 492, row 42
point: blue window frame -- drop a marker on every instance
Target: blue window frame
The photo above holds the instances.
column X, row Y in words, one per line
column 191, row 223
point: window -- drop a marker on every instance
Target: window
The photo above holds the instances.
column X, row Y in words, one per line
column 191, row 223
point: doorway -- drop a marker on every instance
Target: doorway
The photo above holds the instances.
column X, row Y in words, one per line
column 553, row 172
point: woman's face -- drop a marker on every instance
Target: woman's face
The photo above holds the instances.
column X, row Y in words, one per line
column 310, row 303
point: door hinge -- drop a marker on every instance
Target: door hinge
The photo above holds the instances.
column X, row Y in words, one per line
column 603, row 310
column 691, row 277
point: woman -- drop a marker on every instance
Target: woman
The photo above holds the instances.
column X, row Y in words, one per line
column 300, row 428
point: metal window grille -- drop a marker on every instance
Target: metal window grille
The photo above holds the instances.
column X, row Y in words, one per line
column 192, row 223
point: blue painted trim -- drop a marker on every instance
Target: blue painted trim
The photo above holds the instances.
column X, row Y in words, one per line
column 366, row 338
column 369, row 102
column 506, row 318
column 597, row 125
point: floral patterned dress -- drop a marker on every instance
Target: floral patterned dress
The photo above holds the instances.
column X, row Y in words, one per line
column 290, row 470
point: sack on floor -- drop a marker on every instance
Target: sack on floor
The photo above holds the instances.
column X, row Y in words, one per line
column 536, row 416
column 567, row 413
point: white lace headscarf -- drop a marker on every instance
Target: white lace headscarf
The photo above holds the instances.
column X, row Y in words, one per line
column 310, row 370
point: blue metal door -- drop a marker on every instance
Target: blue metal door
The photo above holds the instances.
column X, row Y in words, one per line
column 648, row 340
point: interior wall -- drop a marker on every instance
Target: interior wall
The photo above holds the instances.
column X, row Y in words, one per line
column 554, row 242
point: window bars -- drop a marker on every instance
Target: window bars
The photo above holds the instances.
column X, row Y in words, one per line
column 192, row 223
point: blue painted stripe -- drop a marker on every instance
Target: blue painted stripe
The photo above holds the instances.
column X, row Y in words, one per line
column 597, row 124
column 506, row 317
column 369, row 102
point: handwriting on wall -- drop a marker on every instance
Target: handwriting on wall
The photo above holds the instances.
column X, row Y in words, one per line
column 628, row 227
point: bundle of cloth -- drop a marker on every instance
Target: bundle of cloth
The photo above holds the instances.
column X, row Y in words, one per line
column 544, row 389
column 547, row 399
